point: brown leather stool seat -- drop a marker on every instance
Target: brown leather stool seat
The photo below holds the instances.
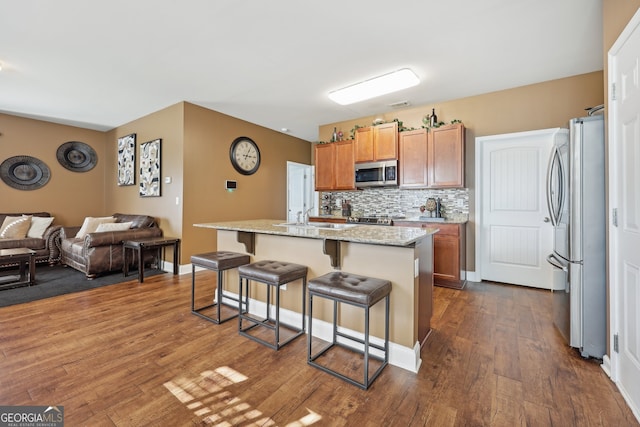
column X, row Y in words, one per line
column 359, row 291
column 274, row 274
column 217, row 261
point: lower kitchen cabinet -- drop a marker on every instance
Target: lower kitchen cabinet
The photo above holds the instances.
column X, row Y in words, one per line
column 449, row 252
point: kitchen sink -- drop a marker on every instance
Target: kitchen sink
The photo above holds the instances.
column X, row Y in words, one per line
column 316, row 225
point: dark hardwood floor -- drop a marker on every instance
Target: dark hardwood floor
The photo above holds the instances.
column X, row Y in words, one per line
column 133, row 355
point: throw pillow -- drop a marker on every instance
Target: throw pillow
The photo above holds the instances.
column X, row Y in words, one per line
column 15, row 227
column 113, row 226
column 39, row 225
column 90, row 225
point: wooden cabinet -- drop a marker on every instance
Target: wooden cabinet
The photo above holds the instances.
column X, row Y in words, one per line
column 344, row 170
column 375, row 143
column 449, row 252
column 335, row 167
column 445, row 156
column 412, row 147
column 324, row 155
column 432, row 159
column 363, row 144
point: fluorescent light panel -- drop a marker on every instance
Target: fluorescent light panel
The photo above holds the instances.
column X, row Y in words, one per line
column 376, row 86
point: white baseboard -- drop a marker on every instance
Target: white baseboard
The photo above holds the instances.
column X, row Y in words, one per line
column 182, row 269
column 403, row 357
column 399, row 355
column 473, row 276
column 606, row 365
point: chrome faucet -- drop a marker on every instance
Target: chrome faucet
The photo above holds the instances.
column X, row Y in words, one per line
column 306, row 215
column 298, row 220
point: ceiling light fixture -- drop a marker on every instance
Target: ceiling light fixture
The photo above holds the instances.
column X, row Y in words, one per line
column 376, row 86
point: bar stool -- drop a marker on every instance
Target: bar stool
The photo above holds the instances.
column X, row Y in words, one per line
column 219, row 262
column 359, row 291
column 274, row 274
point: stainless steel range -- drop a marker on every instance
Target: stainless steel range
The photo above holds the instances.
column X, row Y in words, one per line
column 370, row 220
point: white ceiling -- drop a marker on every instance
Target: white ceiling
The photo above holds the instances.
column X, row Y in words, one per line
column 102, row 64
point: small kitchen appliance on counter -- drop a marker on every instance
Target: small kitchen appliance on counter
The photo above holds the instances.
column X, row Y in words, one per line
column 346, row 208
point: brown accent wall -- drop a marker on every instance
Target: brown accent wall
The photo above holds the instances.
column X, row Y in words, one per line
column 538, row 106
column 166, row 124
column 208, row 137
column 69, row 196
column 195, row 155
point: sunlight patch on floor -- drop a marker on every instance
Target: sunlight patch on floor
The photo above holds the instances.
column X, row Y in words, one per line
column 207, row 398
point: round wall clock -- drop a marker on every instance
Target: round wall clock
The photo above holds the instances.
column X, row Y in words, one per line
column 245, row 155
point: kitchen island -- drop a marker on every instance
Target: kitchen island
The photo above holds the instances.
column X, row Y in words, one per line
column 402, row 255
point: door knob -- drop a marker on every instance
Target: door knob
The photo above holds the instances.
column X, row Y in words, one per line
column 546, row 219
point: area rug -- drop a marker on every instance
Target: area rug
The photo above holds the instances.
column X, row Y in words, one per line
column 60, row 280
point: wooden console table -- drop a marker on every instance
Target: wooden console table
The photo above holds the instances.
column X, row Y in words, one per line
column 139, row 246
column 25, row 258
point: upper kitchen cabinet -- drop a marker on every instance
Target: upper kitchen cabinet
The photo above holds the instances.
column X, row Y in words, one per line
column 432, row 159
column 445, row 156
column 378, row 142
column 335, row 169
column 413, row 159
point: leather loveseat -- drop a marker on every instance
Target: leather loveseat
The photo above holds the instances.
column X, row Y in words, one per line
column 100, row 252
column 45, row 242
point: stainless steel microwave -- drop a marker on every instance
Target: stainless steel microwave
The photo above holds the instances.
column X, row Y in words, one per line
column 377, row 174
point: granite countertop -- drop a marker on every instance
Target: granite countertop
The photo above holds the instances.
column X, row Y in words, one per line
column 459, row 219
column 454, row 220
column 372, row 234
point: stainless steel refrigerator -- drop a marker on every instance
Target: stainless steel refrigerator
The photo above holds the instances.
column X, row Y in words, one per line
column 576, row 201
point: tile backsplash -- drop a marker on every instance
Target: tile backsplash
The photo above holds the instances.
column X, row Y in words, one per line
column 395, row 202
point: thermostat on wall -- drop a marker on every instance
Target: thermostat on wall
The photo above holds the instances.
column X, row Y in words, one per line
column 230, row 185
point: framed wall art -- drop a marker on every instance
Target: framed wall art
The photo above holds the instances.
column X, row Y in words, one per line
column 150, row 168
column 127, row 160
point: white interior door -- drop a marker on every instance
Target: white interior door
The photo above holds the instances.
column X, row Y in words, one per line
column 300, row 190
column 515, row 235
column 624, row 232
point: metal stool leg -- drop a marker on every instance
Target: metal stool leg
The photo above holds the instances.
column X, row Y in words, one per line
column 366, row 348
column 219, row 296
column 193, row 288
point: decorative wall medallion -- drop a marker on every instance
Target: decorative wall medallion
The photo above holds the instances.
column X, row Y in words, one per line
column 24, row 172
column 150, row 168
column 127, row 160
column 77, row 156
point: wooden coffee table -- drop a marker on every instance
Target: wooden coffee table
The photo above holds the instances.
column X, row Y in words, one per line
column 25, row 258
column 139, row 246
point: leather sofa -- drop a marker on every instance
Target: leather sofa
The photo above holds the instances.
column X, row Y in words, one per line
column 101, row 252
column 46, row 247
